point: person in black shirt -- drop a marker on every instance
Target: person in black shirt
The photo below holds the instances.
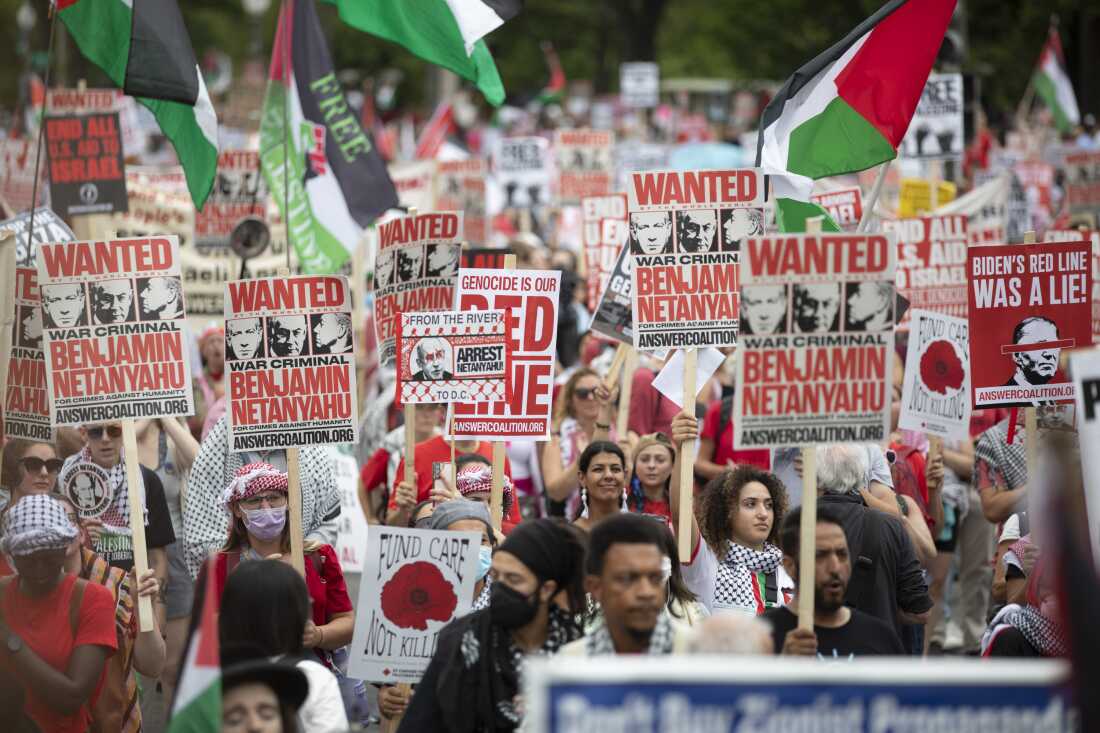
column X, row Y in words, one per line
column 839, row 632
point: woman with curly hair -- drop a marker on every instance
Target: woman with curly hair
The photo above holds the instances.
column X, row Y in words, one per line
column 738, row 565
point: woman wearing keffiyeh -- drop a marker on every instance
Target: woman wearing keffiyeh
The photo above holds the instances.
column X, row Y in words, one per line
column 1030, row 629
column 737, row 566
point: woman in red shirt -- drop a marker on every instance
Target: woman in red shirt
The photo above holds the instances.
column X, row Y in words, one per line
column 257, row 501
column 57, row 630
column 653, row 458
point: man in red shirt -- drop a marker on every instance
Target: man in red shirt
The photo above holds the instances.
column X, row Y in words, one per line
column 716, row 452
column 650, row 411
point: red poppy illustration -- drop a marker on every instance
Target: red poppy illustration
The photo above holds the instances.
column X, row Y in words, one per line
column 940, row 368
column 416, row 594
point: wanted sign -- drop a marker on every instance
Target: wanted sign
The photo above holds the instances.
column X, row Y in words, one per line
column 239, row 191
column 451, row 356
column 290, row 362
column 1082, row 184
column 26, row 406
column 522, row 168
column 603, row 233
column 845, row 206
column 936, row 130
column 935, row 396
column 931, row 270
column 415, row 183
column 817, row 338
column 117, row 339
column 415, row 270
column 529, row 299
column 584, row 163
column 87, row 171
column 685, row 235
column 415, row 582
column 460, row 186
column 1027, row 303
column 1092, row 236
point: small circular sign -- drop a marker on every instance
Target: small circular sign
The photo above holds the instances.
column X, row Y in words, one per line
column 88, row 487
column 89, row 193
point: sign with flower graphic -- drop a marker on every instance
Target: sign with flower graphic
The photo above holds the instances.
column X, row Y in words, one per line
column 935, row 397
column 414, row 583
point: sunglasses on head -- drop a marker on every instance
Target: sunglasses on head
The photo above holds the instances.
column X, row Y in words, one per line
column 96, row 433
column 584, row 393
column 34, row 465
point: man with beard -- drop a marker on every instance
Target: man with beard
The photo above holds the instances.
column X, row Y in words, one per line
column 627, row 573
column 840, row 632
column 112, row 301
column 286, row 335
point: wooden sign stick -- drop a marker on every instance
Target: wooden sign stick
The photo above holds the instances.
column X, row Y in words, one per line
column 613, row 372
column 687, row 459
column 622, row 421
column 134, row 494
column 1031, row 429
column 7, row 317
column 294, row 495
column 496, row 495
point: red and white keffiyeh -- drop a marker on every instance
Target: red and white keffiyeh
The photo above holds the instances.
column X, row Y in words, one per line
column 252, row 479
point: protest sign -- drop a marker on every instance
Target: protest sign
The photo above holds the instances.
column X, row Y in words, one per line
column 529, row 299
column 26, row 407
column 351, row 530
column 936, row 130
column 844, row 205
column 522, row 168
column 239, row 191
column 61, row 101
column 415, row 183
column 414, row 582
column 1027, row 303
column 931, row 265
column 686, row 230
column 48, row 227
column 451, row 356
column 460, row 186
column 1082, row 186
column 584, row 163
column 483, row 258
column 17, row 173
column 415, row 270
column 290, row 362
column 88, row 487
column 935, row 396
column 117, row 340
column 817, row 339
column 639, row 84
column 1037, row 179
column 914, row 197
column 87, row 171
column 614, row 317
column 632, row 156
column 1085, row 368
column 1093, row 237
column 603, row 233
column 823, row 695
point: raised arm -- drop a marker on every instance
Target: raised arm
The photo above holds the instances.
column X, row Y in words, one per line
column 685, row 427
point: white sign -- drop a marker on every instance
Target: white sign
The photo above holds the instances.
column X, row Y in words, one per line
column 1085, row 368
column 351, row 534
column 935, row 397
column 936, row 130
column 639, row 84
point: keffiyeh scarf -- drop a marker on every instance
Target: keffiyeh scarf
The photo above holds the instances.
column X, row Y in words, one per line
column 1045, row 635
column 600, row 643
column 36, row 522
column 734, row 584
column 117, row 514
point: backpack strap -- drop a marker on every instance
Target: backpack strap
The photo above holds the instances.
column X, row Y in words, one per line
column 75, row 602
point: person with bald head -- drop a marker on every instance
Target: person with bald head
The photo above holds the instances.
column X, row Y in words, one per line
column 433, row 355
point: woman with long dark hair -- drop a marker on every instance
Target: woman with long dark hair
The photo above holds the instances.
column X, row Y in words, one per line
column 601, row 474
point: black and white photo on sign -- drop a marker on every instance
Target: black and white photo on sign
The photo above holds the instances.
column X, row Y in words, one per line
column 739, row 224
column 651, row 232
column 410, row 264
column 443, row 260
column 160, row 298
column 763, row 309
column 869, row 306
column 112, row 301
column 244, row 339
column 28, row 328
column 65, row 305
column 287, row 335
column 695, row 230
column 1036, row 366
column 431, row 360
column 88, row 487
column 816, row 308
column 331, row 333
column 936, row 130
column 383, row 269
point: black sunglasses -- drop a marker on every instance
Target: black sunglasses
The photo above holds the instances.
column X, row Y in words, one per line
column 96, row 433
column 34, row 465
column 584, row 393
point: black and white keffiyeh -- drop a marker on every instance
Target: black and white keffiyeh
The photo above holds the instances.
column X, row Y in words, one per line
column 733, row 584
column 1045, row 635
column 36, row 522
column 599, row 641
column 482, row 600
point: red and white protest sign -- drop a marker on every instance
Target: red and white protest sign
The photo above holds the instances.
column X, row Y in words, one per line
column 935, row 397
column 931, row 270
column 289, row 362
column 603, row 234
column 1027, row 303
column 1083, row 183
column 817, row 339
column 415, row 270
column 584, row 163
column 26, row 406
column 844, row 205
column 70, row 101
column 239, row 191
column 415, row 183
column 416, row 581
column 117, row 339
column 17, row 173
column 451, row 356
column 1092, row 236
column 529, row 299
column 460, row 186
column 686, row 231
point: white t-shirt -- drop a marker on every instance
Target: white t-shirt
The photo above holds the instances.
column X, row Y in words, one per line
column 701, row 578
column 323, row 710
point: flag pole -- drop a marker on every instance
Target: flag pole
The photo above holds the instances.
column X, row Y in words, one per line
column 872, row 200
column 281, row 32
column 41, row 126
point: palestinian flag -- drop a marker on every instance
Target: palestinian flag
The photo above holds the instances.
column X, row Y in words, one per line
column 311, row 143
column 791, row 216
column 1053, row 85
column 849, row 108
column 447, row 33
column 554, row 90
column 143, row 46
column 197, row 707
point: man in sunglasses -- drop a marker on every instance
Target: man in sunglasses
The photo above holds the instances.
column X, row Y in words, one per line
column 110, row 531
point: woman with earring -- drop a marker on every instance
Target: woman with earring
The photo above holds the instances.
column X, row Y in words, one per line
column 601, row 474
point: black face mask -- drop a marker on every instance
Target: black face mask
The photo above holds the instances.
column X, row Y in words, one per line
column 509, row 608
